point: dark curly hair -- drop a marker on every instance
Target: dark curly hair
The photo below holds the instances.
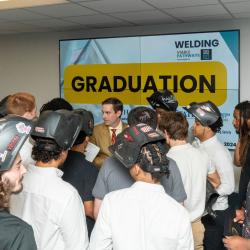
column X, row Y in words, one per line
column 46, row 150
column 153, row 159
column 56, row 104
column 216, row 127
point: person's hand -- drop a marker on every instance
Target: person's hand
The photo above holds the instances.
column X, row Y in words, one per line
column 236, row 243
column 240, row 216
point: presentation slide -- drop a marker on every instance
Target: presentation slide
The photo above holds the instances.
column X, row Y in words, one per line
column 196, row 67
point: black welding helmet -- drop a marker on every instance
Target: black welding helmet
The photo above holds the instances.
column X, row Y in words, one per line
column 165, row 100
column 88, row 121
column 128, row 143
column 61, row 126
column 206, row 113
column 14, row 130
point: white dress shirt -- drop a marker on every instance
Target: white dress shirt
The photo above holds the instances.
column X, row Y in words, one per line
column 53, row 208
column 222, row 160
column 26, row 152
column 142, row 217
column 194, row 166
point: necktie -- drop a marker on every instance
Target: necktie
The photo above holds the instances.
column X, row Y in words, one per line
column 113, row 136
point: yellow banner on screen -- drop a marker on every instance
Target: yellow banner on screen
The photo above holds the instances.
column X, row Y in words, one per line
column 132, row 83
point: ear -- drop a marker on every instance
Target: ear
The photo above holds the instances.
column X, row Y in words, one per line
column 119, row 113
column 166, row 135
column 137, row 169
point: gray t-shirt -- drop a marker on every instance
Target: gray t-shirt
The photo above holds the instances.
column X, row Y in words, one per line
column 114, row 176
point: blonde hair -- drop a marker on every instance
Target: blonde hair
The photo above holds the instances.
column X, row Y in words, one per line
column 20, row 103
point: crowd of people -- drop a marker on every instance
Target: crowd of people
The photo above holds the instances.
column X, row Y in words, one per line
column 156, row 183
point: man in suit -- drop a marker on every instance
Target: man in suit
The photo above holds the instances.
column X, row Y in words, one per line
column 104, row 134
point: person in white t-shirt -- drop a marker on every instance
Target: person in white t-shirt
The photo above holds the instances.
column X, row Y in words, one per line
column 142, row 216
column 207, row 123
column 50, row 205
column 195, row 167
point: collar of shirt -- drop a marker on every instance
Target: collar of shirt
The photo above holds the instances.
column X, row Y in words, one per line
column 118, row 128
column 148, row 186
column 180, row 147
column 209, row 141
column 50, row 171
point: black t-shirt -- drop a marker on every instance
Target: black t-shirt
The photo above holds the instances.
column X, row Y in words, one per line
column 15, row 233
column 244, row 178
column 82, row 175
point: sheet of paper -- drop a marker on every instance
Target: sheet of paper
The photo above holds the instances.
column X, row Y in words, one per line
column 91, row 151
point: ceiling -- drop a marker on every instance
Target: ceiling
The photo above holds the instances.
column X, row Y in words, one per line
column 63, row 15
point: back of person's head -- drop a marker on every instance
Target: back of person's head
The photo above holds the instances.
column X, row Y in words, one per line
column 117, row 104
column 175, row 124
column 244, row 108
column 56, row 104
column 87, row 125
column 164, row 100
column 54, row 132
column 244, row 129
column 207, row 113
column 3, row 108
column 20, row 103
column 129, row 149
column 152, row 159
column 142, row 115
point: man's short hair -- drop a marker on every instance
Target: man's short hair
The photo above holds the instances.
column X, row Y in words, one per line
column 176, row 125
column 56, row 104
column 117, row 104
column 144, row 115
column 20, row 103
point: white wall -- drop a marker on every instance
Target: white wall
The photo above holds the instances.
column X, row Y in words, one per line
column 30, row 62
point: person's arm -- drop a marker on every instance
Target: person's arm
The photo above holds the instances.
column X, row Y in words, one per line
column 97, row 205
column 101, row 187
column 237, row 155
column 240, row 215
column 185, row 239
column 224, row 167
column 89, row 208
column 173, row 184
column 27, row 239
column 101, row 237
column 214, row 179
column 73, row 224
column 236, row 243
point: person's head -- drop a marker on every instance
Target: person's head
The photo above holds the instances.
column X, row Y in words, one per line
column 87, row 128
column 208, row 119
column 144, row 115
column 241, row 123
column 142, row 150
column 174, row 125
column 54, row 133
column 22, row 104
column 241, row 118
column 56, row 104
column 112, row 111
column 3, row 108
column 163, row 101
column 14, row 131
